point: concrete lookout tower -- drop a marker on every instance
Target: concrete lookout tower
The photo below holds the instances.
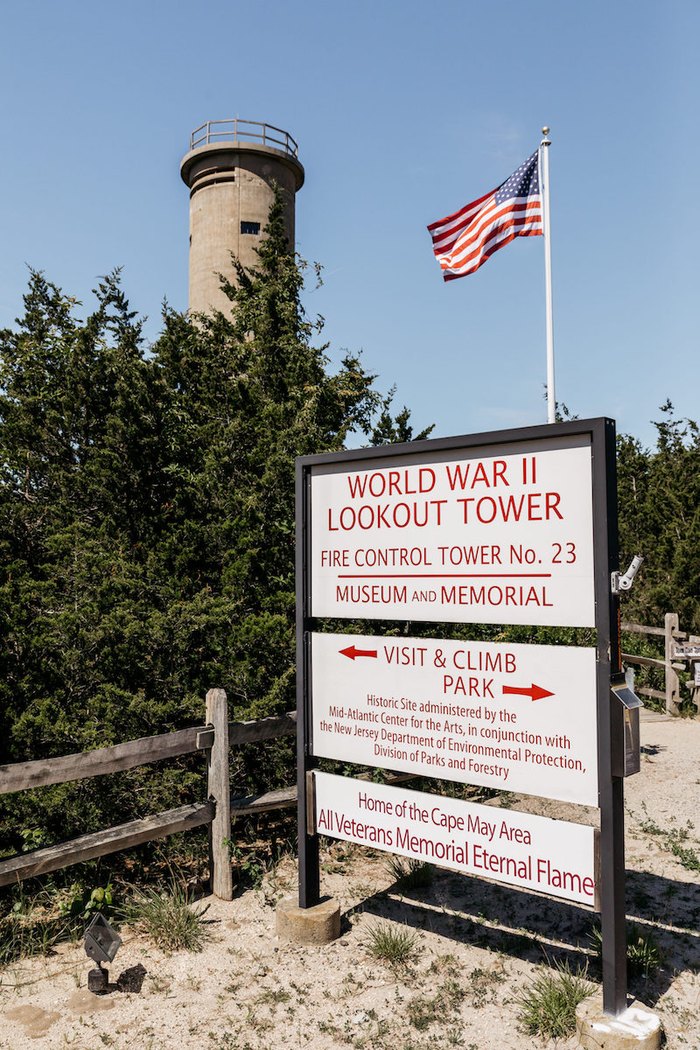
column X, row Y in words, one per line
column 231, row 169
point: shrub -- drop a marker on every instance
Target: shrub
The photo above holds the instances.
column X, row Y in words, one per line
column 548, row 1005
column 409, row 873
column 391, row 945
column 643, row 953
column 169, row 919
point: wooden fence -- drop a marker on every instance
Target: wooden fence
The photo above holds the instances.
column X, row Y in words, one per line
column 671, row 664
column 214, row 739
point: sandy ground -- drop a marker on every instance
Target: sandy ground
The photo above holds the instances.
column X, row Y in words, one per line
column 478, row 946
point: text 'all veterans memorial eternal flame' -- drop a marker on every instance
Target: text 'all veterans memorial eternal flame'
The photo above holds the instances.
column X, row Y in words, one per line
column 532, row 852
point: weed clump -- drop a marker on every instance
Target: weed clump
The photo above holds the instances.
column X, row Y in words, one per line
column 548, row 1005
column 644, row 957
column 32, row 923
column 410, row 873
column 393, row 946
column 169, row 918
column 23, row 935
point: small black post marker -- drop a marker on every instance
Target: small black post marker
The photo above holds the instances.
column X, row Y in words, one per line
column 610, row 724
column 309, row 876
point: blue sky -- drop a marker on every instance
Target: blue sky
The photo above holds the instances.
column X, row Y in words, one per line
column 403, row 111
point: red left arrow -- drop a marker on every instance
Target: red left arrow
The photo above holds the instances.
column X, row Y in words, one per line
column 535, row 692
column 351, row 652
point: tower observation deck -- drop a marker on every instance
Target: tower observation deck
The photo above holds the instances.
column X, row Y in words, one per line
column 231, row 169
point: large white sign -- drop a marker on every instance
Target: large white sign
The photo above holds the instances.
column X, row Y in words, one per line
column 536, row 853
column 479, row 535
column 519, row 718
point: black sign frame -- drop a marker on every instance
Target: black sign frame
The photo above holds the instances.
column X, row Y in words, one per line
column 611, row 881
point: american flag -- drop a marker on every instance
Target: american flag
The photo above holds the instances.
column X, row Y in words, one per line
column 465, row 240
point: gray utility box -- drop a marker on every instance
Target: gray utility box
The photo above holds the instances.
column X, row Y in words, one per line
column 626, row 755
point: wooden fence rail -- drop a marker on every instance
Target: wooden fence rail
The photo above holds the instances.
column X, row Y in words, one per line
column 22, row 776
column 671, row 663
column 98, row 844
column 214, row 739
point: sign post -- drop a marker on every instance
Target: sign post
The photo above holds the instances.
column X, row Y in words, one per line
column 511, row 527
column 309, row 873
column 610, row 726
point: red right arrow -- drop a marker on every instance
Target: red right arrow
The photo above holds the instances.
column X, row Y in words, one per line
column 351, row 652
column 535, row 692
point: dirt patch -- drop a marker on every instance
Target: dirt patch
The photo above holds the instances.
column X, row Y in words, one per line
column 478, row 945
column 34, row 1021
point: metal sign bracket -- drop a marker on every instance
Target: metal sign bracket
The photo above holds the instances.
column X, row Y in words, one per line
column 620, row 582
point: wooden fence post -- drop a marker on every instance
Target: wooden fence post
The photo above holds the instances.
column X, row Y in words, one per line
column 219, row 790
column 673, row 687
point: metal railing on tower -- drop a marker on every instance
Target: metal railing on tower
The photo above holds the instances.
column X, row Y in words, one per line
column 234, row 130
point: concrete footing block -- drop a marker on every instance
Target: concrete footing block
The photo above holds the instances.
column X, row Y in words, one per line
column 637, row 1028
column 317, row 925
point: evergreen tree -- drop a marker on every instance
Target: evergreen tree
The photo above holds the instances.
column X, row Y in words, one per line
column 253, row 392
column 659, row 500
column 147, row 524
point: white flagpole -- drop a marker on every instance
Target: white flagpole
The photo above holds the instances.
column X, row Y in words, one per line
column 544, row 176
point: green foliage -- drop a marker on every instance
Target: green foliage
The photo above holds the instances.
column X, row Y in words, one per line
column 410, row 873
column 147, row 529
column 31, row 922
column 659, row 514
column 85, row 904
column 256, row 856
column 659, row 501
column 391, row 945
column 23, row 935
column 547, row 1007
column 673, row 839
column 169, row 918
column 644, row 956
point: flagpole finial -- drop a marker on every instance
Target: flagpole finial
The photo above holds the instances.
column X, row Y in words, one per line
column 545, row 136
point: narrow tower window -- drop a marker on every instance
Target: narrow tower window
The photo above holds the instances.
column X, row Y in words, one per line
column 250, row 227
